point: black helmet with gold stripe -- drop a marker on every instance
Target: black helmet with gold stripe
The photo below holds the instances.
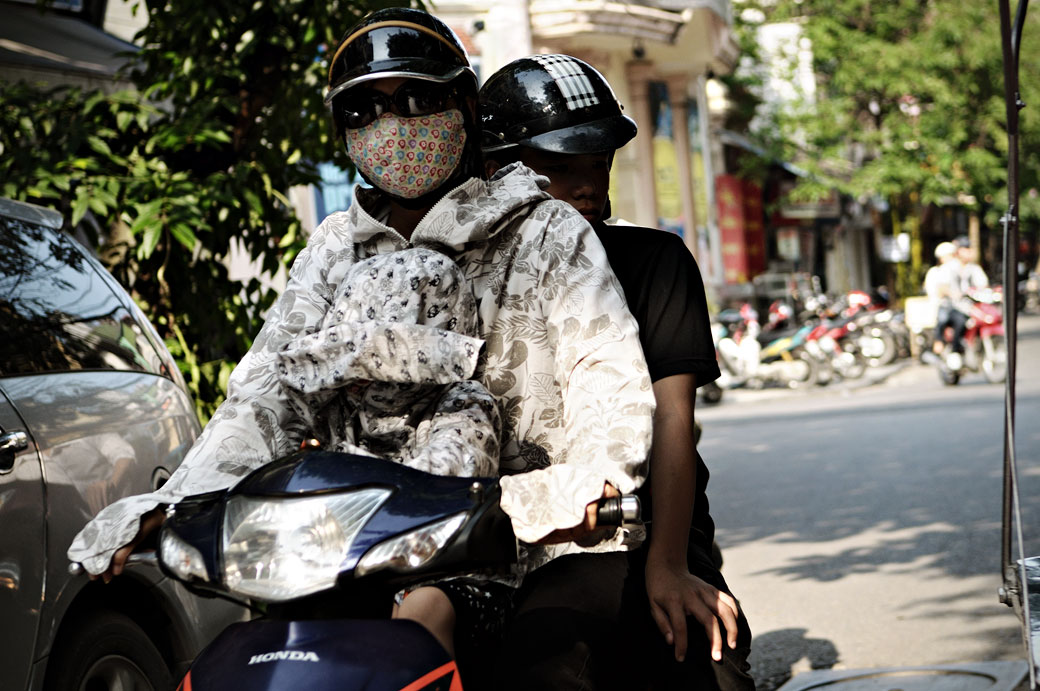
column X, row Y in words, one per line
column 398, row 42
column 404, row 43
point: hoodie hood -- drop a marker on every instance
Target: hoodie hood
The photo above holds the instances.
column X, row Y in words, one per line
column 474, row 211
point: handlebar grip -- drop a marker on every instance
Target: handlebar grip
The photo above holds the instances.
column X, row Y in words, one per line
column 146, row 557
column 616, row 511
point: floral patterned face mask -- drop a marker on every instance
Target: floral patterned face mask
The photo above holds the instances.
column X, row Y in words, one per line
column 408, row 157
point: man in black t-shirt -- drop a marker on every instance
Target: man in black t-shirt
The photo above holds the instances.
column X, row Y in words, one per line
column 661, row 616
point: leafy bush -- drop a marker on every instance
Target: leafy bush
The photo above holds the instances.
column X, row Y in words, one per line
column 227, row 115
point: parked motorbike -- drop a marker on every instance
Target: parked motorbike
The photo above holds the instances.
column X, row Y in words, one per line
column 319, row 542
column 863, row 334
column 812, row 340
column 883, row 337
column 839, row 346
column 984, row 347
column 744, row 361
column 710, row 393
column 788, row 355
column 852, row 332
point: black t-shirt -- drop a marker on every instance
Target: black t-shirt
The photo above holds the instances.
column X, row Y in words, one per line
column 665, row 293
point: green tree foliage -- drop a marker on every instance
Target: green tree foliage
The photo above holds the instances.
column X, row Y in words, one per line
column 909, row 104
column 227, row 115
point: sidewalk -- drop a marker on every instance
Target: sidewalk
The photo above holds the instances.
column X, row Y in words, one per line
column 904, row 371
column 872, row 377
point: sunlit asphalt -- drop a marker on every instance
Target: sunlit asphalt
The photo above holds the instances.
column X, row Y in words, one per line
column 860, row 523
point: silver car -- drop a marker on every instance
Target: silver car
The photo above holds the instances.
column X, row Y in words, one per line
column 92, row 408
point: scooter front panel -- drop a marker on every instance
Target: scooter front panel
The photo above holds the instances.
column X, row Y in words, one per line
column 322, row 655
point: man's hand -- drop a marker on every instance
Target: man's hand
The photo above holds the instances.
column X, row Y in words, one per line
column 150, row 522
column 585, row 533
column 674, row 593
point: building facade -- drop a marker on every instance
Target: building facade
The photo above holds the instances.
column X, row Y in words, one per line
column 659, row 57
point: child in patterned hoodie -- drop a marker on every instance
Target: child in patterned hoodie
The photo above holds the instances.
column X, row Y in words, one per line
column 388, row 374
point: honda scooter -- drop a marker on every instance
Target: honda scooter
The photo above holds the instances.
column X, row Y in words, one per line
column 318, row 543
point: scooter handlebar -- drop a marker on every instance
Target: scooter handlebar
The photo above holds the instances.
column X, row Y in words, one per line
column 612, row 511
column 149, row 556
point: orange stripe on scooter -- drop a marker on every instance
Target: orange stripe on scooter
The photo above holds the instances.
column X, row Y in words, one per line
column 440, row 672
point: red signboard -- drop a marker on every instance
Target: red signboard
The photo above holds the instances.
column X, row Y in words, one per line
column 741, row 228
column 754, row 228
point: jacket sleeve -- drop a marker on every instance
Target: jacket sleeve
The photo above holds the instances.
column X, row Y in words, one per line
column 461, row 438
column 251, row 427
column 607, row 397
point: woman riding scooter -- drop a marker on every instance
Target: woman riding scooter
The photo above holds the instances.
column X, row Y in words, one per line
column 564, row 366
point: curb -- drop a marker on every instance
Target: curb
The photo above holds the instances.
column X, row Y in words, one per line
column 872, row 377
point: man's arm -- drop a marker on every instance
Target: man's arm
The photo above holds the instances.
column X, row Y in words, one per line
column 673, row 592
column 599, row 372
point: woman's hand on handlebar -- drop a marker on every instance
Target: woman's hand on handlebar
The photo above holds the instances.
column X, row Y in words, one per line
column 150, row 522
column 585, row 533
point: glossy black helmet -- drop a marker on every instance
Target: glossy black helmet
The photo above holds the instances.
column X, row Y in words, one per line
column 410, row 44
column 554, row 103
column 398, row 42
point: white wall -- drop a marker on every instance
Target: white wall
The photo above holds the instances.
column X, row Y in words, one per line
column 120, row 20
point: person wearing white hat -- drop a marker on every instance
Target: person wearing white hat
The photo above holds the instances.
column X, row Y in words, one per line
column 942, row 285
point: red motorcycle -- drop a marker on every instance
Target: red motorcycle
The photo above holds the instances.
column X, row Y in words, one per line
column 984, row 347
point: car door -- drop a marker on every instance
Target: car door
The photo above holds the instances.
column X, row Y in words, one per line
column 22, row 546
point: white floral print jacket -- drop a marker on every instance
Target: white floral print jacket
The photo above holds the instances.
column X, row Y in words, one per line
column 562, row 358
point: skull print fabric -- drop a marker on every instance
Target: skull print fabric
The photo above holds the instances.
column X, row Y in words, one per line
column 398, row 346
column 562, row 360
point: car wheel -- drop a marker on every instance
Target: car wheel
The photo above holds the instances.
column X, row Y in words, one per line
column 106, row 651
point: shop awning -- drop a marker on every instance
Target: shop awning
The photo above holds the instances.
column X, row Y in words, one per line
column 731, row 138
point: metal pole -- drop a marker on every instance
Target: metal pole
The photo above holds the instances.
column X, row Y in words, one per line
column 1015, row 591
column 1010, row 221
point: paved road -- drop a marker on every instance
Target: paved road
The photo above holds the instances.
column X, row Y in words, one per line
column 861, row 526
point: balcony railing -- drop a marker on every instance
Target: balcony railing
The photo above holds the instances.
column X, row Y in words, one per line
column 651, row 21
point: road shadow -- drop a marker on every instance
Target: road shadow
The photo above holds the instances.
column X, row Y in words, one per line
column 946, row 551
column 777, row 655
column 1003, row 635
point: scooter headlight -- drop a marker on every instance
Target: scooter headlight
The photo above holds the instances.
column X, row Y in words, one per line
column 184, row 560
column 411, row 550
column 282, row 548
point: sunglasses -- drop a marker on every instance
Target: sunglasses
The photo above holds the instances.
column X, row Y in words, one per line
column 361, row 105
